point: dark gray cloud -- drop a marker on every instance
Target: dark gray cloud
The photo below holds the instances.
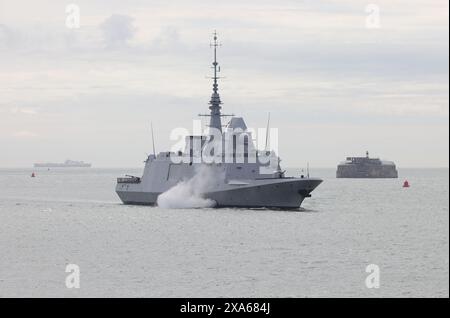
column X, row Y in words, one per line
column 118, row 30
column 8, row 37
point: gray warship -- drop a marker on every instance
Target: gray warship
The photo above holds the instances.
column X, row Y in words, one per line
column 231, row 179
column 366, row 167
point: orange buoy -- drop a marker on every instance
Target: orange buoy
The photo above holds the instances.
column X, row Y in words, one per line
column 33, row 175
column 406, row 184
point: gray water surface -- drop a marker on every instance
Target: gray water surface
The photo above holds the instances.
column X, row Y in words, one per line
column 66, row 216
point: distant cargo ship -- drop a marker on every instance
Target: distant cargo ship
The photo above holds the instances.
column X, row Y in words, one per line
column 365, row 167
column 65, row 164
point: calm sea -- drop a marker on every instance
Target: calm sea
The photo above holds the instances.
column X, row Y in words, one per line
column 74, row 217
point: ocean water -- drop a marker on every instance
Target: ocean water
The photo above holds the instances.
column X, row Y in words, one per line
column 74, row 217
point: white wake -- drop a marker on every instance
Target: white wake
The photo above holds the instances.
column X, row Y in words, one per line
column 188, row 194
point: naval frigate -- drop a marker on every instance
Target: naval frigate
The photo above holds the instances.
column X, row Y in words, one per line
column 366, row 167
column 237, row 177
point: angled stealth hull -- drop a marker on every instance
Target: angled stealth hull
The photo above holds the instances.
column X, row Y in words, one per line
column 283, row 193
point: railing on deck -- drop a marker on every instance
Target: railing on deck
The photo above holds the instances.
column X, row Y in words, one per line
column 129, row 179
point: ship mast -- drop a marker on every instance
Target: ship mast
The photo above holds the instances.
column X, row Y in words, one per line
column 215, row 119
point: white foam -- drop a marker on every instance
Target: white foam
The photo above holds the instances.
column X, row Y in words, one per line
column 189, row 193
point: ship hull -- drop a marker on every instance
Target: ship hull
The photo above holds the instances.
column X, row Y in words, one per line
column 277, row 193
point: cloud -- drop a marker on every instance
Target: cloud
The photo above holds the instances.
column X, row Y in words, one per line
column 5, row 36
column 25, row 134
column 26, row 111
column 118, row 30
column 169, row 38
column 309, row 62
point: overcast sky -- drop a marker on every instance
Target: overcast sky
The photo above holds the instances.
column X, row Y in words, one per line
column 336, row 81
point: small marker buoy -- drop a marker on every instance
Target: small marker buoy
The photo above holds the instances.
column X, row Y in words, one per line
column 406, row 184
column 33, row 175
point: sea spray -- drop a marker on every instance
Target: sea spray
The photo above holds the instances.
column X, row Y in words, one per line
column 189, row 193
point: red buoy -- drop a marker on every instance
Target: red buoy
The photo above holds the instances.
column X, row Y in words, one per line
column 406, row 184
column 33, row 175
